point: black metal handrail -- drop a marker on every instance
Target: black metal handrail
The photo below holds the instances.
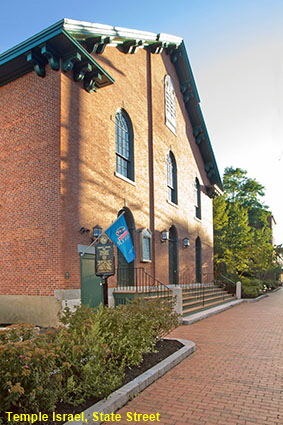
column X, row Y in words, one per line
column 137, row 279
column 229, row 285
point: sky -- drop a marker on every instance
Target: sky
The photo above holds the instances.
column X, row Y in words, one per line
column 236, row 54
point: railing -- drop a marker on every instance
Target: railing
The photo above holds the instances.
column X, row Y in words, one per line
column 229, row 285
column 138, row 282
column 199, row 292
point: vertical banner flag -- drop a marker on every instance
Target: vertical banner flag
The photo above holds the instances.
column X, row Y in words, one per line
column 119, row 233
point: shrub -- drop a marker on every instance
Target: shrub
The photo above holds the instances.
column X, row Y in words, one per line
column 18, row 332
column 251, row 288
column 86, row 357
column 27, row 379
column 97, row 345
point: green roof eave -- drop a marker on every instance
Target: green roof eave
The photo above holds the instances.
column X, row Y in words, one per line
column 13, row 62
column 191, row 98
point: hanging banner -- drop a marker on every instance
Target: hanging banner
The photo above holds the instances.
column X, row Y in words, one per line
column 119, row 233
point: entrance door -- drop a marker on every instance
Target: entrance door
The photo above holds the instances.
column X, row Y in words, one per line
column 91, row 288
column 173, row 256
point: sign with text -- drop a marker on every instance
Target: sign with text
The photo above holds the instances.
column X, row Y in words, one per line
column 104, row 257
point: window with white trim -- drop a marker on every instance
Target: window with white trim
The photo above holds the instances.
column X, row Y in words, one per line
column 145, row 245
column 124, row 145
column 170, row 104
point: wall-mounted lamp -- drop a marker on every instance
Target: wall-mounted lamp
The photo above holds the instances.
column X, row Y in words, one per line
column 83, row 230
column 97, row 231
column 186, row 242
column 164, row 236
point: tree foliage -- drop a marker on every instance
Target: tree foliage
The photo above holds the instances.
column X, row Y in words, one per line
column 242, row 233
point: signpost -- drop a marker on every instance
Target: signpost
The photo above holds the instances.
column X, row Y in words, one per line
column 104, row 262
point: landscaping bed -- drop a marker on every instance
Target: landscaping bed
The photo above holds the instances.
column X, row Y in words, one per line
column 164, row 348
column 92, row 354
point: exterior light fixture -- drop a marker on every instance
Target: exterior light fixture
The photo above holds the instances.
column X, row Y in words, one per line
column 97, row 231
column 164, row 236
column 186, row 242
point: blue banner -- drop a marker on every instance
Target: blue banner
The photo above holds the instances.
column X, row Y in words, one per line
column 119, row 233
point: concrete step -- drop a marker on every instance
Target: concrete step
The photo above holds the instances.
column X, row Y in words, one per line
column 199, row 308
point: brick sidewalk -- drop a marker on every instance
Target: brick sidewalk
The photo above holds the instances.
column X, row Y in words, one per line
column 234, row 378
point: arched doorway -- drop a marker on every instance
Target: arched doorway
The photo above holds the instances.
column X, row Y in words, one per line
column 173, row 256
column 126, row 271
column 198, row 260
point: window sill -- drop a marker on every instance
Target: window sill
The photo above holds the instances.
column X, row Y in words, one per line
column 198, row 219
column 172, row 203
column 120, row 176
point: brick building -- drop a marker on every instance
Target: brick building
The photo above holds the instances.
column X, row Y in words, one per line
column 98, row 120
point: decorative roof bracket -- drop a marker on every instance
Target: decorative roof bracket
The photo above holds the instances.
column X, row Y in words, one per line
column 90, row 81
column 130, row 46
column 96, row 44
column 81, row 69
column 38, row 63
column 175, row 56
column 70, row 61
column 51, row 56
column 157, row 47
column 186, row 89
column 199, row 135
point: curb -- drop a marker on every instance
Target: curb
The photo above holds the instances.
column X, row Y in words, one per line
column 121, row 396
column 254, row 300
column 189, row 320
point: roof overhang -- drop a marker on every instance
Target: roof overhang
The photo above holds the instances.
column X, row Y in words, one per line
column 68, row 45
column 56, row 47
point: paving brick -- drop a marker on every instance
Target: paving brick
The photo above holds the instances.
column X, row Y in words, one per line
column 234, row 377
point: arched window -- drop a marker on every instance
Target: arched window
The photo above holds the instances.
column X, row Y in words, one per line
column 172, row 178
column 197, row 198
column 124, row 145
column 170, row 104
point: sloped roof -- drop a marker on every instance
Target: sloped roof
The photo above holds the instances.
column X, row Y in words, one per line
column 69, row 43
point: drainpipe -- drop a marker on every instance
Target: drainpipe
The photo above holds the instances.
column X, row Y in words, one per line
column 150, row 156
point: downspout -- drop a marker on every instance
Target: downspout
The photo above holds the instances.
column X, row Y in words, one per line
column 150, row 157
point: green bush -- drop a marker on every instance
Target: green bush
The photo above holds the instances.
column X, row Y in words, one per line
column 251, row 288
column 85, row 357
column 98, row 345
column 27, row 379
column 17, row 333
column 271, row 283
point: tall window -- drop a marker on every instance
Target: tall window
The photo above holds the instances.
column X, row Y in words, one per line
column 170, row 104
column 197, row 199
column 172, row 178
column 124, row 145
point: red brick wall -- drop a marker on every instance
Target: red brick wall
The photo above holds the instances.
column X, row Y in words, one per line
column 29, row 180
column 88, row 133
column 58, row 172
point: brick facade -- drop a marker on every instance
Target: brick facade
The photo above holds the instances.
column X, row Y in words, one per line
column 58, row 175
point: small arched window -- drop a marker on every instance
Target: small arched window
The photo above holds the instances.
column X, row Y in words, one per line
column 124, row 145
column 197, row 198
column 172, row 178
column 170, row 104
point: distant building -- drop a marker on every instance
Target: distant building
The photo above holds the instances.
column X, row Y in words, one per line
column 97, row 120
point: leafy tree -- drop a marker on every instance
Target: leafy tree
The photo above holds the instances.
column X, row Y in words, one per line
column 242, row 234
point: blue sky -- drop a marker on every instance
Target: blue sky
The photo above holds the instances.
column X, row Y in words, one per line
column 236, row 53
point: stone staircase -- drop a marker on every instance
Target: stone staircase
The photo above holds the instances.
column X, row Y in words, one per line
column 202, row 296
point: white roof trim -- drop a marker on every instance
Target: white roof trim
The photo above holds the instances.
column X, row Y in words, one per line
column 81, row 29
